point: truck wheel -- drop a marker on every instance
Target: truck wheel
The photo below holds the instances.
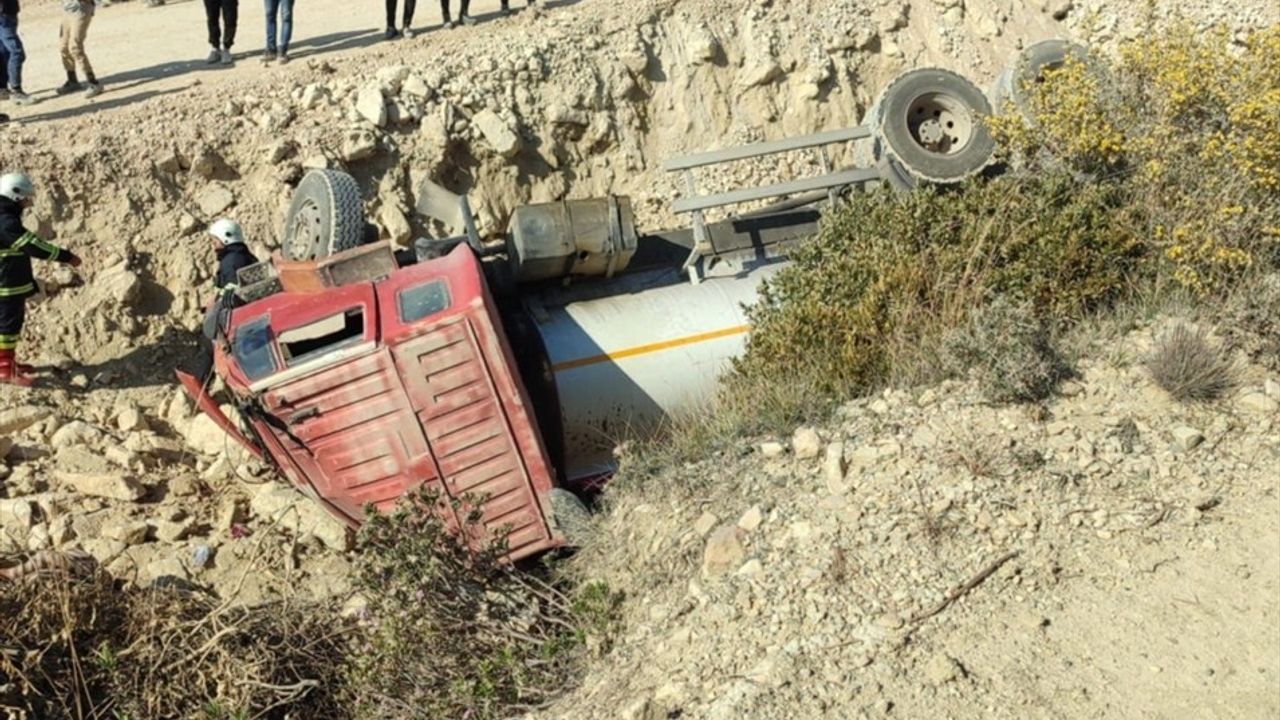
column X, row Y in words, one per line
column 571, row 515
column 1028, row 68
column 325, row 217
column 931, row 128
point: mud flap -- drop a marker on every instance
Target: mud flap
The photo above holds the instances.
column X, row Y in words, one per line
column 206, row 405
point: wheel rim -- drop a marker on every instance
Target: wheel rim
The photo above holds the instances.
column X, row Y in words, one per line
column 940, row 123
column 304, row 237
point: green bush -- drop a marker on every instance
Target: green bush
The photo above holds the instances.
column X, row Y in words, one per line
column 889, row 273
column 452, row 630
column 1008, row 350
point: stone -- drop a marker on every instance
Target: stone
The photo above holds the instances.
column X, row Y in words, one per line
column 415, row 86
column 1058, row 9
column 313, row 96
column 751, row 519
column 15, row 420
column 371, row 105
column 118, row 283
column 279, row 151
column 205, row 163
column 163, row 571
column 130, row 419
column 497, row 133
column 761, row 73
column 751, row 568
column 833, row 468
column 183, row 486
column 396, row 225
column 392, row 77
column 214, row 199
column 172, row 531
column 204, row 436
column 187, row 223
column 564, row 115
column 17, row 514
column 772, row 449
column 230, row 512
column 1271, row 388
column 168, row 161
column 1258, row 403
column 358, row 144
column 942, row 669
column 1186, row 438
column 723, row 551
column 705, row 523
column 806, row 444
column 112, row 486
column 129, row 532
column 316, row 161
column 703, row 47
column 6, row 446
column 278, row 503
column 104, row 550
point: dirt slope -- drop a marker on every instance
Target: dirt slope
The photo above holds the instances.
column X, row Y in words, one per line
column 577, row 99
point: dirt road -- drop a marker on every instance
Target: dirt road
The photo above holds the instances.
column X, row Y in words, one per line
column 141, row 52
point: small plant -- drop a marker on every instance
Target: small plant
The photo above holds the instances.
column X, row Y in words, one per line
column 453, row 630
column 1009, row 351
column 1189, row 367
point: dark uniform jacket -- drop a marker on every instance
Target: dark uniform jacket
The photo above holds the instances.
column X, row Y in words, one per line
column 17, row 246
column 230, row 259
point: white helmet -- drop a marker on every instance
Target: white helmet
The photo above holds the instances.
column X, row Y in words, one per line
column 227, row 231
column 17, row 186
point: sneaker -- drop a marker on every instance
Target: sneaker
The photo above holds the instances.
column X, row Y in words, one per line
column 225, row 56
column 69, row 87
column 407, row 33
column 214, row 56
column 448, row 24
column 93, row 89
column 283, row 57
column 391, row 34
column 268, row 55
column 21, row 98
column 4, row 94
column 468, row 20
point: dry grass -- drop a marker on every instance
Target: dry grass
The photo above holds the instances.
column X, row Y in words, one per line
column 1189, row 366
column 76, row 645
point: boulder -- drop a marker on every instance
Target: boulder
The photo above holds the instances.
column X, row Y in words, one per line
column 112, row 486
column 130, row 419
column 392, row 77
column 371, row 105
column 415, row 86
column 497, row 133
column 723, row 551
column 214, row 199
column 806, row 444
column 396, row 225
column 205, row 437
column 276, row 503
column 358, row 144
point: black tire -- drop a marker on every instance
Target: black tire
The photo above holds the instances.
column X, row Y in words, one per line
column 1028, row 68
column 931, row 125
column 325, row 217
column 571, row 516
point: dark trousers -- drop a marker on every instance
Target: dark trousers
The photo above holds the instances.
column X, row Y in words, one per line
column 13, row 313
column 444, row 9
column 221, row 35
column 408, row 13
column 12, row 53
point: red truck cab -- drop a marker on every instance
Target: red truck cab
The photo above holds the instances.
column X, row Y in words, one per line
column 359, row 391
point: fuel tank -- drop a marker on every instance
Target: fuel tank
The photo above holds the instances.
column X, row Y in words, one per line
column 625, row 353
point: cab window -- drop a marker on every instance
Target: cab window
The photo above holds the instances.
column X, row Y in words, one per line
column 320, row 337
column 423, row 300
column 252, row 349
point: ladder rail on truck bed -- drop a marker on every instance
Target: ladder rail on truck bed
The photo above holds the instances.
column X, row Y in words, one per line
column 696, row 204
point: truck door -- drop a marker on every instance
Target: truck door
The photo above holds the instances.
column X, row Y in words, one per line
column 437, row 326
column 340, row 407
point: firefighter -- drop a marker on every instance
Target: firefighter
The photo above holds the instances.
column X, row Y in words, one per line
column 17, row 246
column 233, row 254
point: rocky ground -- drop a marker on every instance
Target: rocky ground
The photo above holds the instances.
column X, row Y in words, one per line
column 816, row 568
column 1132, row 545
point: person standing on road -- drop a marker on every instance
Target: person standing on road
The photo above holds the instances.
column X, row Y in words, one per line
column 18, row 246
column 221, row 16
column 284, row 9
column 12, row 55
column 75, row 26
column 464, row 14
column 392, row 33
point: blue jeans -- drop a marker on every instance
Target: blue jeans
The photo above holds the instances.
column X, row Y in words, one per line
column 285, row 8
column 11, row 53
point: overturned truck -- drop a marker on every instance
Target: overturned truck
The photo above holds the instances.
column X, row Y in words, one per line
column 503, row 372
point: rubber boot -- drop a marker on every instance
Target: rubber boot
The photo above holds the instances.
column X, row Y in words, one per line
column 10, row 374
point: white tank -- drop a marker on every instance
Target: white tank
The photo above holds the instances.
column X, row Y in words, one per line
column 628, row 351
